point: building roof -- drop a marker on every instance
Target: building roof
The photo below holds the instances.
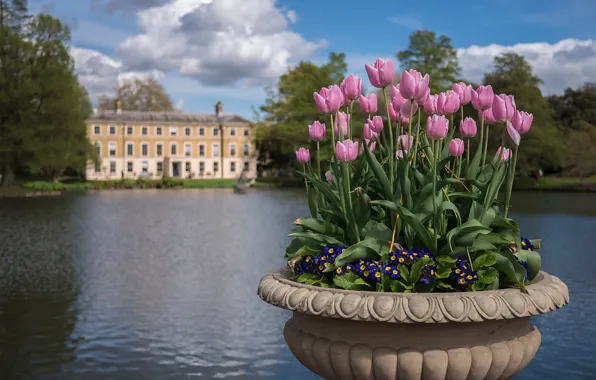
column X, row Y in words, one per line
column 132, row 116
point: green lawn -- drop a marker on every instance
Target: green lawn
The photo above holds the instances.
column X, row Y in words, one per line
column 556, row 183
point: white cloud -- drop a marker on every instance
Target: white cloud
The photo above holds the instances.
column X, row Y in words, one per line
column 407, row 21
column 218, row 42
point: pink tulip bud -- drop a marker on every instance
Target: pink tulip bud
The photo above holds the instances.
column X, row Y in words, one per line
column 464, row 92
column 505, row 153
column 430, row 106
column 405, row 108
column 351, row 87
column 328, row 177
column 437, row 127
column 503, row 107
column 488, row 116
column 513, row 133
column 482, row 98
column 368, row 103
column 396, row 99
column 376, row 124
column 456, row 147
column 330, row 99
column 447, row 103
column 368, row 131
column 346, row 151
column 403, row 120
column 341, row 120
column 405, row 142
column 393, row 115
column 317, row 131
column 399, row 154
column 372, row 145
column 380, row 73
column 522, row 121
column 303, row 155
column 413, row 85
column 467, row 127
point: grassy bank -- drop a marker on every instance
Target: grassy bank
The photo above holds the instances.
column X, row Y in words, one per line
column 568, row 184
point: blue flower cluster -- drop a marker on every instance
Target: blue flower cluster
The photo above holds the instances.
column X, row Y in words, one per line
column 408, row 258
column 367, row 269
column 527, row 245
column 316, row 264
column 463, row 273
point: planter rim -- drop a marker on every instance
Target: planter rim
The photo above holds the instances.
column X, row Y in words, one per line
column 545, row 294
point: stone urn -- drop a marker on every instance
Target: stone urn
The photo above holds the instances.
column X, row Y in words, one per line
column 352, row 335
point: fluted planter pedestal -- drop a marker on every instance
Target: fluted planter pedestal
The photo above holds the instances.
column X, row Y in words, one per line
column 345, row 335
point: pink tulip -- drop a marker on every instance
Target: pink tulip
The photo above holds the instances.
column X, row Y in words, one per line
column 351, row 86
column 368, row 132
column 403, row 120
column 393, row 115
column 522, row 121
column 317, row 131
column 482, row 98
column 424, row 97
column 430, row 106
column 413, row 85
column 399, row 154
column 405, row 142
column 503, row 107
column 381, row 73
column 513, row 133
column 437, row 127
column 456, row 147
column 505, row 153
column 372, row 145
column 396, row 99
column 463, row 91
column 404, row 109
column 376, row 124
column 447, row 103
column 368, row 103
column 328, row 177
column 488, row 116
column 303, row 155
column 341, row 120
column 330, row 99
column 346, row 151
column 467, row 127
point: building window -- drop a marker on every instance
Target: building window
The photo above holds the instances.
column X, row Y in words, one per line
column 201, row 167
column 129, row 167
column 232, row 150
column 158, row 131
column 145, row 166
column 201, row 150
column 187, row 167
column 144, row 131
column 187, row 131
column 215, row 166
column 145, row 150
column 216, row 131
column 246, row 150
column 173, row 131
column 159, row 149
column 160, row 167
column 187, row 150
column 112, row 130
column 215, row 148
column 173, row 149
column 201, row 131
column 98, row 151
column 233, row 167
column 246, row 165
column 129, row 130
column 129, row 149
column 112, row 167
column 96, row 130
column 98, row 148
column 112, row 149
column 246, row 132
column 232, row 131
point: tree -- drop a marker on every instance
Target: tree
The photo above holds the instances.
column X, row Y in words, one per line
column 581, row 151
column 540, row 148
column 575, row 105
column 290, row 107
column 13, row 14
column 139, row 95
column 432, row 55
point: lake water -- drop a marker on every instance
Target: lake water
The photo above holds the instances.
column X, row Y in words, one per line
column 162, row 285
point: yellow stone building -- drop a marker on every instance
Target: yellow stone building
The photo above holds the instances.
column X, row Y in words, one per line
column 135, row 144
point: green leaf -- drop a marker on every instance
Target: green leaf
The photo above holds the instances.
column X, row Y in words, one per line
column 444, row 286
column 493, row 188
column 488, row 275
column 348, row 281
column 536, row 244
column 534, row 261
column 319, row 226
column 486, row 260
column 293, row 247
column 362, row 209
column 303, row 278
column 511, row 268
column 487, row 217
column 443, row 272
column 366, row 249
column 478, row 286
column 446, row 205
column 317, row 237
column 443, row 259
column 379, row 172
column 397, row 286
column 311, row 204
column 495, row 239
column 405, row 272
column 305, row 250
column 416, row 269
column 472, row 171
column 377, row 230
column 465, row 234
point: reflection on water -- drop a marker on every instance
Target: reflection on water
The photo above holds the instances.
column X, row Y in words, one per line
column 162, row 285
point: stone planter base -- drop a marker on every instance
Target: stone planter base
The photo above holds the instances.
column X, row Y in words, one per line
column 347, row 335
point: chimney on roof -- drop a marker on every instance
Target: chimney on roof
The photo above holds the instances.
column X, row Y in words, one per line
column 118, row 106
column 219, row 109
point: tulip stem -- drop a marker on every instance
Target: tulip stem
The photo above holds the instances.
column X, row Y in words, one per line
column 350, row 121
column 410, row 125
column 467, row 153
column 392, row 151
column 332, row 132
column 416, row 139
column 461, row 111
column 318, row 160
column 349, row 211
column 481, row 145
column 486, row 134
column 510, row 181
column 435, row 148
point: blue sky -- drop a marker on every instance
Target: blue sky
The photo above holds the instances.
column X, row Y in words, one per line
column 230, row 50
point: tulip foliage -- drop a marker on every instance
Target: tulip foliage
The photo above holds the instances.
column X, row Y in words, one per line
column 410, row 208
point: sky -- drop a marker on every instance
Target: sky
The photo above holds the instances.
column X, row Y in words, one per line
column 205, row 51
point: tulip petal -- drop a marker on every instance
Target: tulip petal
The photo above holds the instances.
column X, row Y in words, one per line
column 373, row 76
column 513, row 133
